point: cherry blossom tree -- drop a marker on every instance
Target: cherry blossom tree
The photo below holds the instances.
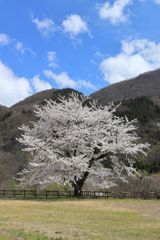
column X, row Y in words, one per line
column 72, row 142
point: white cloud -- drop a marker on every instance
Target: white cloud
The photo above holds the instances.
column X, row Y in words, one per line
column 51, row 56
column 63, row 80
column 99, row 54
column 122, row 67
column 52, row 59
column 19, row 47
column 75, row 25
column 114, row 13
column 136, row 57
column 4, row 39
column 150, row 51
column 46, row 26
column 157, row 2
column 39, row 84
column 14, row 89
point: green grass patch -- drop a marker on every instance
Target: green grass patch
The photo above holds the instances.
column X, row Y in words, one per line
column 3, row 237
column 33, row 235
column 37, row 198
column 81, row 219
column 29, row 236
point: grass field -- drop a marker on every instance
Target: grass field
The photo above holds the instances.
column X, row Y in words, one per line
column 96, row 219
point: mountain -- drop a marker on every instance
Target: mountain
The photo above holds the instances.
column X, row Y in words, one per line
column 146, row 84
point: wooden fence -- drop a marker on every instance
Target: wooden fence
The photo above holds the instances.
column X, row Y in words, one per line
column 90, row 194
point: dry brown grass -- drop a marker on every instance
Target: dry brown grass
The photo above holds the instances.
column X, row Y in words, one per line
column 84, row 219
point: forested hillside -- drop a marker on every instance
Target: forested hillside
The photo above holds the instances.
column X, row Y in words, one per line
column 148, row 115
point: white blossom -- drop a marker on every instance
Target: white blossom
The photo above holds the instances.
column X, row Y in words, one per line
column 71, row 141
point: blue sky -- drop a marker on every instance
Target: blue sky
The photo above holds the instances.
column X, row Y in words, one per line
column 81, row 44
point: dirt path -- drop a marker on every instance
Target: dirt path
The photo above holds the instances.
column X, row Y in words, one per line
column 11, row 236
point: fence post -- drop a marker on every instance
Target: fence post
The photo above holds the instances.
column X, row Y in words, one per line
column 35, row 193
column 4, row 193
column 14, row 193
column 46, row 194
column 24, row 193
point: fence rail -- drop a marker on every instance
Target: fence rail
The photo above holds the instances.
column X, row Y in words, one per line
column 91, row 194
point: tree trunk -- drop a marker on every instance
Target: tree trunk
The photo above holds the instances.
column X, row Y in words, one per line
column 77, row 190
column 78, row 185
